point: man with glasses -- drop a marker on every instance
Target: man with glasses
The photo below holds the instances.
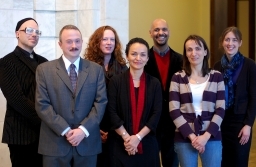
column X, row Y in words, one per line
column 17, row 82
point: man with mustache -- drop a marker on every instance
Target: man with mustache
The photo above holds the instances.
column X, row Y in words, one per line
column 17, row 82
column 163, row 63
column 70, row 100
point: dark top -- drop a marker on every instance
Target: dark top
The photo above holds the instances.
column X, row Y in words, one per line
column 245, row 92
column 114, row 68
column 119, row 110
column 166, row 125
column 17, row 82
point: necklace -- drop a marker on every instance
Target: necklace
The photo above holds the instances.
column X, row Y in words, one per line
column 194, row 80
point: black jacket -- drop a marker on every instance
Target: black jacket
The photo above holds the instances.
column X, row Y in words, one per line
column 17, row 82
column 165, row 123
column 245, row 91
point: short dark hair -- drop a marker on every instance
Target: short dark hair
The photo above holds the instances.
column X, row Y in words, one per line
column 136, row 40
column 19, row 24
column 186, row 64
column 68, row 27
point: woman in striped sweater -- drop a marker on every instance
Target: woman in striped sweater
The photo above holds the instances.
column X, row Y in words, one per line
column 197, row 107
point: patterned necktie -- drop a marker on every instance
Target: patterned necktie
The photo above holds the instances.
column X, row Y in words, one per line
column 73, row 76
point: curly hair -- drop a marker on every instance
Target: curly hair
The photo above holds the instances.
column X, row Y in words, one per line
column 93, row 51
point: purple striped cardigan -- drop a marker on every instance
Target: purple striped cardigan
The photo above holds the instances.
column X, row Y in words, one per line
column 182, row 111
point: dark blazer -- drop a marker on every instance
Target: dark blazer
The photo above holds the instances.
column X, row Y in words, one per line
column 59, row 107
column 245, row 91
column 119, row 105
column 119, row 109
column 165, row 123
column 17, row 82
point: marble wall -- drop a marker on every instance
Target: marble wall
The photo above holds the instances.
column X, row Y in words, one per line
column 51, row 16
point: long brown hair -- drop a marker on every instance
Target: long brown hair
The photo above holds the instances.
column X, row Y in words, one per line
column 93, row 51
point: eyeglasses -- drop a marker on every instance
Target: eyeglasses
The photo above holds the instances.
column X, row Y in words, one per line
column 30, row 31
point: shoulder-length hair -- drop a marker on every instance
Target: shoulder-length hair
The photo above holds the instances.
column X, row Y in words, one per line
column 93, row 51
column 186, row 64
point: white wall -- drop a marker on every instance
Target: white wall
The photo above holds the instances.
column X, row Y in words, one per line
column 51, row 16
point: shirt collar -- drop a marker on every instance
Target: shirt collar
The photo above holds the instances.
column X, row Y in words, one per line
column 67, row 64
column 161, row 53
column 26, row 52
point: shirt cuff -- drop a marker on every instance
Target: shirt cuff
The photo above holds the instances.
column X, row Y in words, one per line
column 84, row 130
column 65, row 131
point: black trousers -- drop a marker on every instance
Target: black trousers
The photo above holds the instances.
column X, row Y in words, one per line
column 103, row 159
column 25, row 155
column 233, row 153
column 168, row 156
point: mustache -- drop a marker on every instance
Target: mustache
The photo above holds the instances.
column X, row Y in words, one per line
column 74, row 49
column 162, row 35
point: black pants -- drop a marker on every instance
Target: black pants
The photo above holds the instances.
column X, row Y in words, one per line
column 25, row 155
column 168, row 155
column 103, row 159
column 233, row 153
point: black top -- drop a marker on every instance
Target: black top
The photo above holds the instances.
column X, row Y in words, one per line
column 17, row 73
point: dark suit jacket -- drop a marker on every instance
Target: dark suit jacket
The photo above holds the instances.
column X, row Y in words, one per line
column 245, row 91
column 17, row 82
column 165, row 123
column 59, row 108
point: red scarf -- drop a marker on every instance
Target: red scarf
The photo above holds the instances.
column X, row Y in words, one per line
column 137, row 108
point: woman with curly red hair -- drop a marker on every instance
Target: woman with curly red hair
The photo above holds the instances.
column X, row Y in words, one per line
column 104, row 48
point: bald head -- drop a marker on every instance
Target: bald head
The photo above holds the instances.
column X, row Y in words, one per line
column 157, row 21
column 159, row 32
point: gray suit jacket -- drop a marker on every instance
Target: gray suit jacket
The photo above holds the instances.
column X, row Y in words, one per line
column 59, row 108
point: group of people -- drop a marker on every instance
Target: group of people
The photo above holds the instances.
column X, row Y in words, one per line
column 99, row 111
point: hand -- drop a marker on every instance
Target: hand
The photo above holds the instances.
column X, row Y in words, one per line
column 75, row 136
column 131, row 144
column 244, row 133
column 133, row 152
column 104, row 136
column 68, row 134
column 201, row 150
column 200, row 141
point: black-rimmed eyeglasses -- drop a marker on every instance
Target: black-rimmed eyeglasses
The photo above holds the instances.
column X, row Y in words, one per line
column 29, row 30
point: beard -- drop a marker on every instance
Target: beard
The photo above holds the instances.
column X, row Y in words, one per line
column 162, row 43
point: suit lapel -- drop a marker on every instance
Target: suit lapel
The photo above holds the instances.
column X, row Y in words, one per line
column 62, row 73
column 82, row 74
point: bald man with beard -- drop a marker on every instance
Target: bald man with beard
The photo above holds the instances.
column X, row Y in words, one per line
column 163, row 63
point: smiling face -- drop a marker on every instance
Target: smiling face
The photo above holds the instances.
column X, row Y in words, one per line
column 27, row 41
column 195, row 53
column 107, row 43
column 231, row 44
column 159, row 32
column 71, row 43
column 137, row 56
